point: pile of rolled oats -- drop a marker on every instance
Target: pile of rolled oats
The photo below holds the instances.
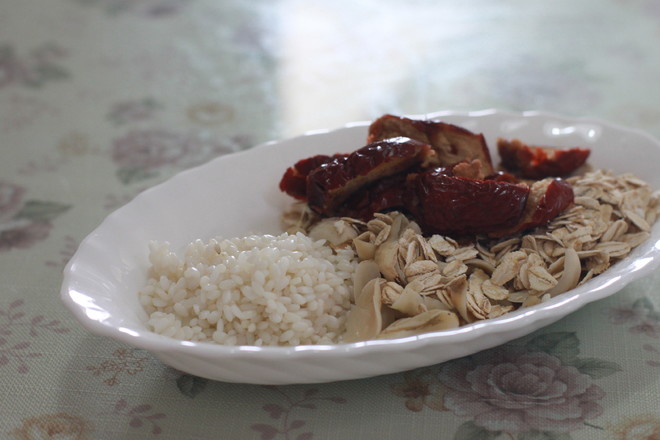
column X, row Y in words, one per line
column 409, row 284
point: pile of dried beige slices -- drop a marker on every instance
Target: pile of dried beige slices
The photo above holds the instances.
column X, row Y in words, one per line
column 407, row 284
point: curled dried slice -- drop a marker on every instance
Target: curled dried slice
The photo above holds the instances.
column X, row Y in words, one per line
column 571, row 274
column 409, row 302
column 365, row 320
column 457, row 290
column 365, row 271
column 364, row 245
column 425, row 322
column 387, row 253
column 390, row 292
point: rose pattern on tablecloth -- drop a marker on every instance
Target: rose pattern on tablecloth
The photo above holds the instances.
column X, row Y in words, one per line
column 642, row 319
column 17, row 333
column 656, row 353
column 142, row 154
column 71, row 146
column 59, row 426
column 128, row 361
column 133, row 111
column 33, row 70
column 11, row 200
column 421, row 388
column 515, row 391
column 140, row 416
column 42, row 93
column 639, row 427
column 24, row 222
column 640, row 316
column 210, row 113
column 542, row 389
column 284, row 414
column 63, row 426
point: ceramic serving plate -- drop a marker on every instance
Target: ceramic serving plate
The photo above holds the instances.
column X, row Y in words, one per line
column 238, row 194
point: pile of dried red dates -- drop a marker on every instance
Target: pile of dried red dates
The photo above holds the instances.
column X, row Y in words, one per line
column 442, row 176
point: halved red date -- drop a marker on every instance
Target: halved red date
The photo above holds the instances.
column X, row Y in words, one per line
column 332, row 183
column 446, row 204
column 534, row 162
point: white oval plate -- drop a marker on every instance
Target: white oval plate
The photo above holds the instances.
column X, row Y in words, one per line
column 238, row 194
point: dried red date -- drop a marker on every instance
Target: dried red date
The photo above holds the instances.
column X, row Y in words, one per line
column 462, row 197
column 451, row 143
column 332, row 183
column 294, row 180
column 385, row 194
column 447, row 204
column 535, row 162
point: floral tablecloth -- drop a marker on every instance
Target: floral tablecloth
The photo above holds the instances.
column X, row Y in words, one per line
column 101, row 99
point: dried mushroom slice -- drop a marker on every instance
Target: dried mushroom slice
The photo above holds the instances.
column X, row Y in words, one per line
column 410, row 302
column 387, row 252
column 364, row 320
column 429, row 321
column 364, row 245
column 570, row 275
column 457, row 289
column 389, row 292
column 364, row 272
column 386, row 257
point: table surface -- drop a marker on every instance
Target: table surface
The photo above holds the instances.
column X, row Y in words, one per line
column 101, row 99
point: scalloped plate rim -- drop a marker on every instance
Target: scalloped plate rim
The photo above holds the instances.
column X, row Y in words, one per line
column 541, row 313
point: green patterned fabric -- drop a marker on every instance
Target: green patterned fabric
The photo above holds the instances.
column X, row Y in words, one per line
column 101, row 99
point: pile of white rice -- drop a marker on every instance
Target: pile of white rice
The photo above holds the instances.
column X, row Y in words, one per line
column 257, row 290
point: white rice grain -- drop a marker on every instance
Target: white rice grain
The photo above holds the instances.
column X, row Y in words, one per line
column 256, row 290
